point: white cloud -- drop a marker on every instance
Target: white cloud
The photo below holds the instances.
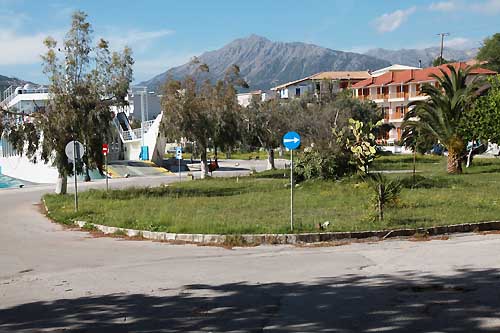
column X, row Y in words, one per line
column 460, row 43
column 391, row 21
column 13, row 20
column 490, row 7
column 444, row 6
column 138, row 40
column 487, row 7
column 22, row 49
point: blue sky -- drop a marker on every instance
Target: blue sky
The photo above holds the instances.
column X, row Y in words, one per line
column 166, row 33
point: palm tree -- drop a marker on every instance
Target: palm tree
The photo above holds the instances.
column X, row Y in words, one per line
column 439, row 117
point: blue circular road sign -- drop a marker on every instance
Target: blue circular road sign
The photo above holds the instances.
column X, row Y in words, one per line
column 291, row 140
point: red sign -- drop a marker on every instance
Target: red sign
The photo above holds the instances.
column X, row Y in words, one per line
column 105, row 149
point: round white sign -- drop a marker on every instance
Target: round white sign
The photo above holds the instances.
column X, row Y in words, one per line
column 74, row 149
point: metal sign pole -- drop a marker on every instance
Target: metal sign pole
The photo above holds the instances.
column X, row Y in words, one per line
column 180, row 178
column 106, row 162
column 291, row 140
column 76, row 154
column 291, row 190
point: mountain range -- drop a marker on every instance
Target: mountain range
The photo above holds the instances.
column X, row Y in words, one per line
column 264, row 63
column 6, row 81
column 411, row 57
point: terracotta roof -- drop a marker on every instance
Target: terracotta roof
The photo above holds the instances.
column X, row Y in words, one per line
column 422, row 75
column 353, row 75
column 356, row 75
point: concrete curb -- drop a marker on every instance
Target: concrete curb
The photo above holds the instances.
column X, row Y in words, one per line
column 294, row 238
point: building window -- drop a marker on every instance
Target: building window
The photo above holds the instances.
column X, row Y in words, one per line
column 297, row 92
column 385, row 112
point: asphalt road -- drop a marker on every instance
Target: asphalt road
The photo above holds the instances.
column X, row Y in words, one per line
column 59, row 280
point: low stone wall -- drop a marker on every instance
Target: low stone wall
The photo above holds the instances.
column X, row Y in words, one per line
column 295, row 238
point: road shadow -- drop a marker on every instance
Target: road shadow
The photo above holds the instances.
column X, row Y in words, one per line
column 467, row 301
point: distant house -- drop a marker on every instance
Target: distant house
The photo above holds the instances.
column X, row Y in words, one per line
column 395, row 89
column 244, row 99
column 320, row 83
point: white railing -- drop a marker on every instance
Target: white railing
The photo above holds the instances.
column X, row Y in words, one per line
column 11, row 92
column 136, row 133
column 7, row 96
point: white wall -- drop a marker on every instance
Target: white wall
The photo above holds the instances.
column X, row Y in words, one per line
column 21, row 168
column 244, row 99
column 289, row 92
column 151, row 139
column 152, row 107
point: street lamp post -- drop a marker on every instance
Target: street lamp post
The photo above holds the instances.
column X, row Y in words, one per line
column 143, row 103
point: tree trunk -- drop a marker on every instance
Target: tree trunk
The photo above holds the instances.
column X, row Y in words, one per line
column 270, row 159
column 380, row 203
column 454, row 163
column 414, row 164
column 87, row 175
column 61, row 185
column 203, row 163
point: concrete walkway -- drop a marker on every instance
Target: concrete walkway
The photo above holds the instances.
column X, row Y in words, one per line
column 54, row 279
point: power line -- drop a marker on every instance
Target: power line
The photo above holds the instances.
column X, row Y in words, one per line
column 442, row 34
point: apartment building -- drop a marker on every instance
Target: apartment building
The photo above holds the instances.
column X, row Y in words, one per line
column 394, row 90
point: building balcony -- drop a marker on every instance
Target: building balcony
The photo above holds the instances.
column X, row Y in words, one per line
column 399, row 96
column 416, row 96
column 380, row 97
column 396, row 117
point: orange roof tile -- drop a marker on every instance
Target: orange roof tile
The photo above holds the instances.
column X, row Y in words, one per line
column 422, row 75
column 344, row 75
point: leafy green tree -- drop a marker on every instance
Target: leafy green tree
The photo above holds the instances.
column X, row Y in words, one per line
column 490, row 52
column 264, row 125
column 227, row 111
column 205, row 113
column 185, row 115
column 441, row 115
column 482, row 122
column 84, row 82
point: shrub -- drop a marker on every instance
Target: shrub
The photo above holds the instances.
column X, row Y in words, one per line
column 385, row 192
column 321, row 164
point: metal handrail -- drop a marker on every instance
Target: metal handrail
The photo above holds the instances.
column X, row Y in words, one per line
column 136, row 133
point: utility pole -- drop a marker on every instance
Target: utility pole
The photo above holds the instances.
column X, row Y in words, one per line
column 442, row 34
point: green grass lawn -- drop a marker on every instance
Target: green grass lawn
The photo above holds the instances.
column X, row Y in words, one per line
column 260, row 203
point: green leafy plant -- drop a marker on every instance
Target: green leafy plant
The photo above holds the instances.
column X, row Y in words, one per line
column 440, row 117
column 315, row 164
column 386, row 192
column 363, row 145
